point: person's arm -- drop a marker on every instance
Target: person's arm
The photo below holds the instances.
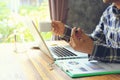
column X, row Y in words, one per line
column 102, row 51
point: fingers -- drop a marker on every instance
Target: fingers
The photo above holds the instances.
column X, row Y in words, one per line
column 79, row 30
column 79, row 33
column 76, row 36
column 76, row 33
column 73, row 38
column 76, row 44
column 73, row 32
column 54, row 25
column 57, row 27
column 72, row 42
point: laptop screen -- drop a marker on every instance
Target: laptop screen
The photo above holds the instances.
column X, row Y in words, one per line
column 38, row 38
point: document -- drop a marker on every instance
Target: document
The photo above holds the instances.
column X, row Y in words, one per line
column 83, row 67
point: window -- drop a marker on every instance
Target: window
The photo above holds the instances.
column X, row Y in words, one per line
column 12, row 18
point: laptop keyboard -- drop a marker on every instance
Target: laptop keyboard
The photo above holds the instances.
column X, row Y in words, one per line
column 62, row 52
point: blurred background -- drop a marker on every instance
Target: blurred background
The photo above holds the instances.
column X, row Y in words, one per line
column 81, row 13
column 12, row 15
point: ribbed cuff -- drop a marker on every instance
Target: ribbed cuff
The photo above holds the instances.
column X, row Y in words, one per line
column 99, row 52
column 67, row 33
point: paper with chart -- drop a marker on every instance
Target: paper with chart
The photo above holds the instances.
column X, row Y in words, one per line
column 83, row 66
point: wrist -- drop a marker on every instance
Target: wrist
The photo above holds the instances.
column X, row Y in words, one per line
column 90, row 46
column 66, row 31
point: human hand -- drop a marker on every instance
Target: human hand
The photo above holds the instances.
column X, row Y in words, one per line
column 80, row 41
column 58, row 27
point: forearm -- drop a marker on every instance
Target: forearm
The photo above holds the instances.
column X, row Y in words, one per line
column 105, row 54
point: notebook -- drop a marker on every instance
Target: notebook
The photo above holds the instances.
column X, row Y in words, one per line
column 77, row 64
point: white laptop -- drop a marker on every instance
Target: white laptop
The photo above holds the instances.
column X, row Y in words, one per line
column 56, row 52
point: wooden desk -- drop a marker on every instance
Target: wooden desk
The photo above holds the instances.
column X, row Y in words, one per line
column 34, row 65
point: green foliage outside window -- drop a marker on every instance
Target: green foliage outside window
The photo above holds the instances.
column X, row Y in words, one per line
column 11, row 22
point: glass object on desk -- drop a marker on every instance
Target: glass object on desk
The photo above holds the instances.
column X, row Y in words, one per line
column 19, row 41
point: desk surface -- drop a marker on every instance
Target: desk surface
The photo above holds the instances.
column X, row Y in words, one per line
column 34, row 65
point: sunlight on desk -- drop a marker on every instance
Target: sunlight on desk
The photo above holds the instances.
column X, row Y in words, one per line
column 15, row 66
column 34, row 65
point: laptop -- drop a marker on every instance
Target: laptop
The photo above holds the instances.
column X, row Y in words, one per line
column 77, row 64
column 55, row 51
